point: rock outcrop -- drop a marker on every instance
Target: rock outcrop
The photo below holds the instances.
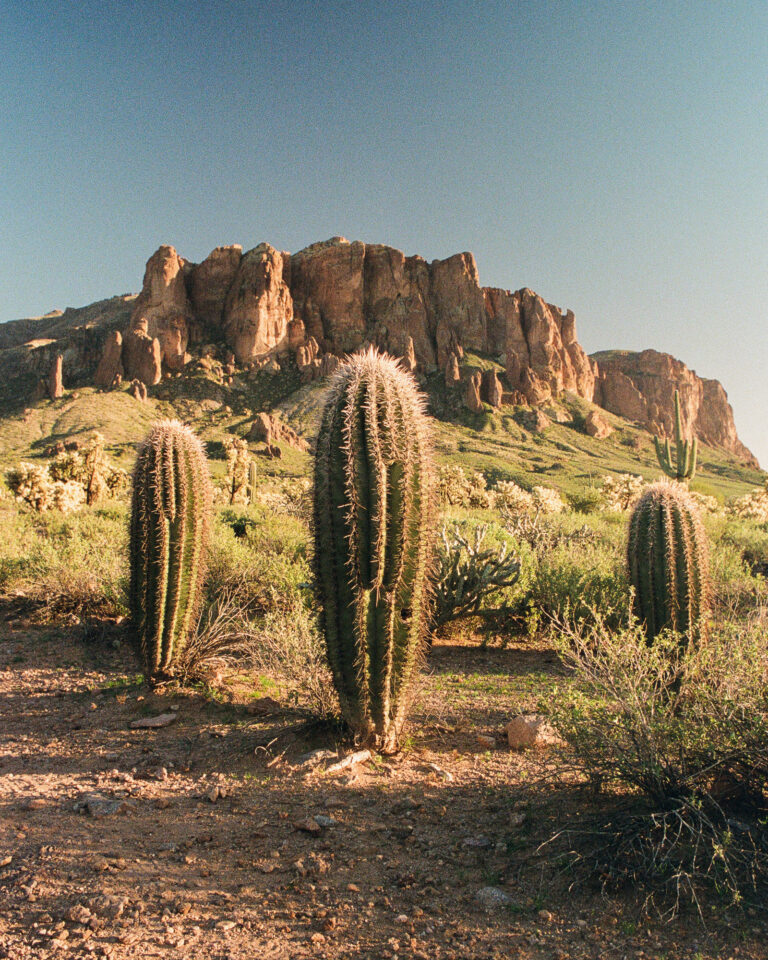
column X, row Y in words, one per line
column 272, row 431
column 259, row 306
column 164, row 305
column 641, row 387
column 56, row 378
column 142, row 355
column 472, row 396
column 334, row 297
column 208, row 284
column 109, row 372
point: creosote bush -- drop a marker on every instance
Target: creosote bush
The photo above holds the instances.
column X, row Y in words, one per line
column 373, row 526
column 676, row 737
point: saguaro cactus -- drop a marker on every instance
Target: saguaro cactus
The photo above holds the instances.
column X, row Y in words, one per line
column 373, row 517
column 170, row 519
column 685, row 466
column 668, row 559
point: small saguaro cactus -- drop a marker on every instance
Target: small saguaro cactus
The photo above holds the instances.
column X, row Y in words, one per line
column 170, row 520
column 373, row 521
column 685, row 466
column 668, row 558
column 252, row 481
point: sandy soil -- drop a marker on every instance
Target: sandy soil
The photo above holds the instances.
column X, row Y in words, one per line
column 212, row 837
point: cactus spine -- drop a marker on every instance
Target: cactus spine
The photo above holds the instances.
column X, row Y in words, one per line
column 684, row 467
column 170, row 520
column 373, row 519
column 668, row 559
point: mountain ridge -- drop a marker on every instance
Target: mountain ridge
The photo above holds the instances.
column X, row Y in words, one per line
column 265, row 306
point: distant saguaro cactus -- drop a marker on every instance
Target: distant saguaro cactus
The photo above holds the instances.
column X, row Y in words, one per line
column 668, row 558
column 170, row 520
column 373, row 519
column 684, row 467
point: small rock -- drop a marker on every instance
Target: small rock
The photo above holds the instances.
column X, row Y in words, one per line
column 492, row 898
column 478, row 842
column 544, row 915
column 97, row 805
column 443, row 774
column 314, row 757
column 225, row 925
column 310, row 825
column 488, row 743
column 324, row 821
column 79, row 914
column 153, row 723
column 263, row 706
column 213, row 794
column 4, row 861
column 530, row 730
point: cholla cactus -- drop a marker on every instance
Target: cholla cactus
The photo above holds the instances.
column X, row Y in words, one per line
column 170, row 520
column 684, row 467
column 460, row 489
column 508, row 496
column 621, row 492
column 239, row 463
column 548, row 500
column 752, row 506
column 90, row 468
column 467, row 574
column 667, row 555
column 373, row 519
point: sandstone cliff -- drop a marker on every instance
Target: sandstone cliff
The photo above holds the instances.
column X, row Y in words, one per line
column 332, row 298
column 641, row 387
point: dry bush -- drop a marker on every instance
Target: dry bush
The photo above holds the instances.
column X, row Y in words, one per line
column 752, row 506
column 289, row 649
column 221, row 639
column 677, row 738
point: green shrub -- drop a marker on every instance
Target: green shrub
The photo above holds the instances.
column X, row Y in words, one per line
column 677, row 738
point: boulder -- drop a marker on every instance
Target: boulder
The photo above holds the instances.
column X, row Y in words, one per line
column 272, row 431
column 259, row 306
column 535, row 420
column 491, row 390
column 472, row 396
column 110, row 369
column 452, row 371
column 530, row 730
column 597, row 426
column 138, row 390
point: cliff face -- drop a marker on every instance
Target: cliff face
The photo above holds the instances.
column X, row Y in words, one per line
column 641, row 387
column 332, row 298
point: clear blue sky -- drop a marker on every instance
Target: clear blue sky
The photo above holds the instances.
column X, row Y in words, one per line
column 613, row 156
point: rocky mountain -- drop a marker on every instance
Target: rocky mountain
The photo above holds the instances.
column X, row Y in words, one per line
column 311, row 307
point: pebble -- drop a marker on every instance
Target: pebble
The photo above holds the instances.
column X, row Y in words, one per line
column 492, row 898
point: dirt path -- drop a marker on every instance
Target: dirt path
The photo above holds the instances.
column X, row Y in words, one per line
column 212, row 838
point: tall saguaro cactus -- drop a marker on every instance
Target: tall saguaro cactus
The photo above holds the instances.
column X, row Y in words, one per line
column 668, row 560
column 684, row 467
column 170, row 520
column 373, row 518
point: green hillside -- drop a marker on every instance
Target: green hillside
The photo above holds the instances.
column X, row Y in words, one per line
column 500, row 443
